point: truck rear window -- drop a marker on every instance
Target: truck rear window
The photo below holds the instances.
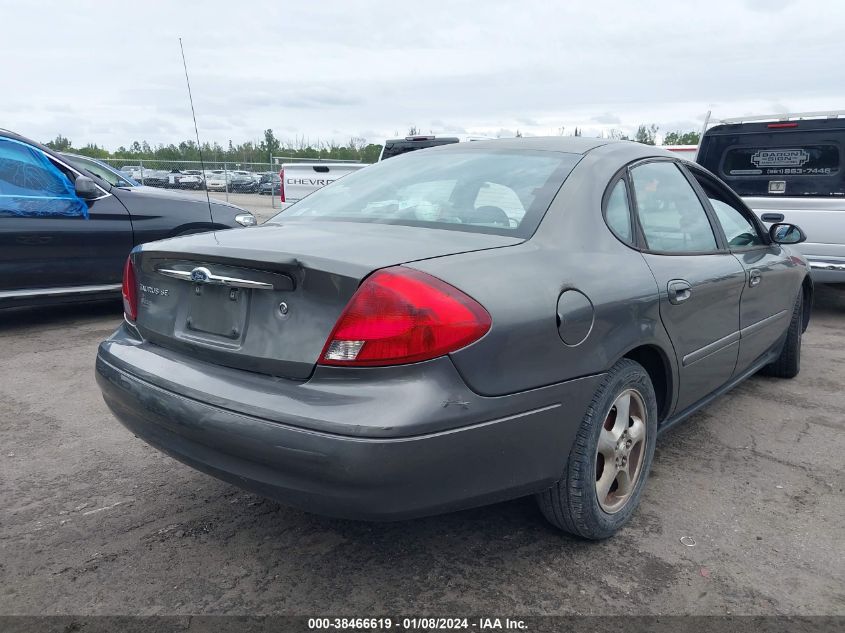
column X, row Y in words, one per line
column 777, row 163
column 806, row 160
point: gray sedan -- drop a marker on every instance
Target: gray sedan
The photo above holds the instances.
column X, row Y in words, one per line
column 458, row 326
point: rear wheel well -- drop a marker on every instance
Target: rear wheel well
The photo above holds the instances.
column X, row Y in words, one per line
column 807, row 291
column 655, row 363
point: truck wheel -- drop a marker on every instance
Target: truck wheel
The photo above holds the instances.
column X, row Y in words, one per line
column 788, row 364
column 610, row 459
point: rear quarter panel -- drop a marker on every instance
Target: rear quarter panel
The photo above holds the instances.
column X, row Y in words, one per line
column 520, row 287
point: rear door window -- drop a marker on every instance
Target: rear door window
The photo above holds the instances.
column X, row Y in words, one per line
column 670, row 213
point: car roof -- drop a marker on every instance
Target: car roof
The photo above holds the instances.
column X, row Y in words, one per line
column 81, row 157
column 568, row 144
column 17, row 137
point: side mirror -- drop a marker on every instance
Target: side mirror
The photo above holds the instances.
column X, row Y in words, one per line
column 784, row 233
column 86, row 188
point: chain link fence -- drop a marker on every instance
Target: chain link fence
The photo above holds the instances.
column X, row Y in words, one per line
column 218, row 177
column 215, row 176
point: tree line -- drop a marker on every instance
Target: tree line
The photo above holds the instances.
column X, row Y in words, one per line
column 647, row 134
column 356, row 148
column 249, row 152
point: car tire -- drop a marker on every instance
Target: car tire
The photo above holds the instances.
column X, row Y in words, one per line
column 573, row 503
column 788, row 364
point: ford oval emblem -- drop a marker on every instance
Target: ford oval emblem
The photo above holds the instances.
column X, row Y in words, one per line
column 200, row 275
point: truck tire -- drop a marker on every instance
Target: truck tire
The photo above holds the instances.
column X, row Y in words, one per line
column 788, row 364
column 609, row 462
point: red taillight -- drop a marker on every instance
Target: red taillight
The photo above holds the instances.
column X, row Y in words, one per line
column 130, row 291
column 401, row 315
column 282, row 185
column 778, row 125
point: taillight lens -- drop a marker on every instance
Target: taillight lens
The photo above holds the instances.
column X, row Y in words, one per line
column 130, row 291
column 400, row 315
column 282, row 185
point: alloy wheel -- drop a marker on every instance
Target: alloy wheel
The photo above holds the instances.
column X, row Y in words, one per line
column 620, row 452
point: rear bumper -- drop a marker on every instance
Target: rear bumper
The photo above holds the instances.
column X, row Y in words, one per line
column 351, row 475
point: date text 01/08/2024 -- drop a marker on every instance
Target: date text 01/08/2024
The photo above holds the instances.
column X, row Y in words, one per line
column 417, row 623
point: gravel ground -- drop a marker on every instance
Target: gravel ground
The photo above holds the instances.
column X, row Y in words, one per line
column 93, row 521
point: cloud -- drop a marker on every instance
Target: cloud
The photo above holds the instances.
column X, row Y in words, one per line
column 767, row 6
column 333, row 70
column 607, row 118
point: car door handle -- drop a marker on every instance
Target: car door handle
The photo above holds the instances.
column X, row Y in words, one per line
column 772, row 217
column 754, row 277
column 679, row 291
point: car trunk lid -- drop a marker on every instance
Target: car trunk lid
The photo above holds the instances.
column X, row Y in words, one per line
column 266, row 299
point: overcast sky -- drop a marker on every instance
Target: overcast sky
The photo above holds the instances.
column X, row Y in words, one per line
column 111, row 73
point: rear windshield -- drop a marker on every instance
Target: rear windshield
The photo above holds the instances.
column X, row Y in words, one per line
column 403, row 146
column 778, row 163
column 482, row 191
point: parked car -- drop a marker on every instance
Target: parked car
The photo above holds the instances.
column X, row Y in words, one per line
column 215, row 180
column 188, row 179
column 788, row 168
column 301, row 179
column 67, row 223
column 391, row 346
column 145, row 175
column 242, row 181
column 155, row 177
column 269, row 184
column 132, row 171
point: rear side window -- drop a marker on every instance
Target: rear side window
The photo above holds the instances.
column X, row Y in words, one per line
column 482, row 190
column 670, row 213
column 618, row 213
column 778, row 162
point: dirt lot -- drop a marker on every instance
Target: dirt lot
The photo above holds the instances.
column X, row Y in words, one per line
column 92, row 521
